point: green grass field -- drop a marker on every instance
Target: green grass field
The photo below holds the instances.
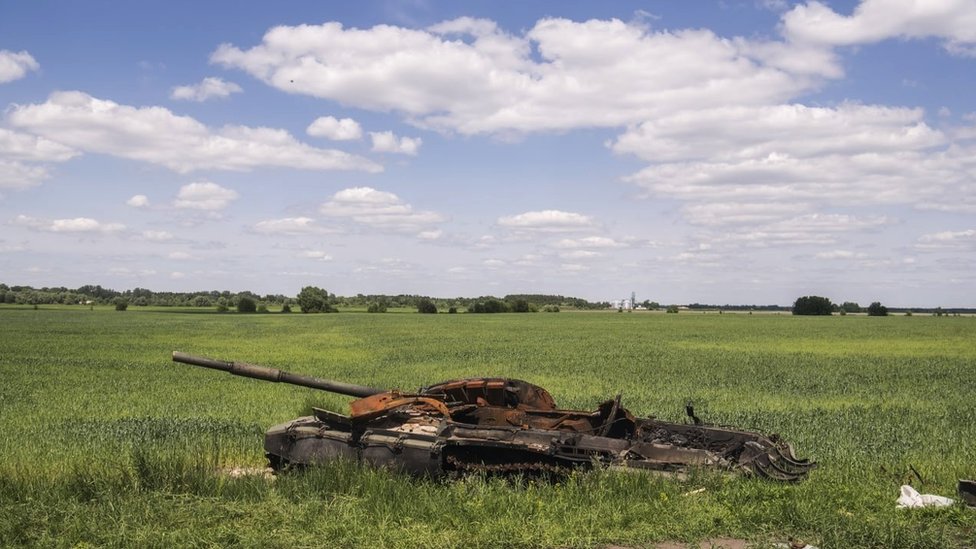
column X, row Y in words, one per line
column 106, row 442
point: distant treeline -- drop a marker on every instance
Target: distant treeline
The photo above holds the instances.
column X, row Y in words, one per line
column 846, row 307
column 701, row 306
column 97, row 295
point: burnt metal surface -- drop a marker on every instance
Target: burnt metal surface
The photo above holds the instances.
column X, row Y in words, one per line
column 967, row 492
column 500, row 425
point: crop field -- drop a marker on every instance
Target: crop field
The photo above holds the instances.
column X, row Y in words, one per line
column 105, row 442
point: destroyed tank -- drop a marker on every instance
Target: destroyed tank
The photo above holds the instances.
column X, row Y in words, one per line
column 500, row 425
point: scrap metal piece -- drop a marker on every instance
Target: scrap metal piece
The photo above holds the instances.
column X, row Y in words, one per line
column 503, row 426
column 967, row 492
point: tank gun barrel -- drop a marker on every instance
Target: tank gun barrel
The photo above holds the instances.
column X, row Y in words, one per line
column 277, row 376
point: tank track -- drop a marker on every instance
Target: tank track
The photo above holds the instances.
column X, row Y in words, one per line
column 528, row 467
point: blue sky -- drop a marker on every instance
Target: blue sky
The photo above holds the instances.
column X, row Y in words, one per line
column 724, row 152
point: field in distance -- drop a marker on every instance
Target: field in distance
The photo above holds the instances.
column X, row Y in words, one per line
column 106, row 442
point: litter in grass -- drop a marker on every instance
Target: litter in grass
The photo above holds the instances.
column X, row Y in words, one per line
column 238, row 472
column 794, row 545
column 911, row 498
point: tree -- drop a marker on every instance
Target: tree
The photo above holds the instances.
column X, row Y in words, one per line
column 813, row 305
column 520, row 306
column 314, row 300
column 376, row 307
column 426, row 306
column 121, row 304
column 850, row 307
column 673, row 309
column 246, row 305
column 495, row 306
column 877, row 309
column 286, row 308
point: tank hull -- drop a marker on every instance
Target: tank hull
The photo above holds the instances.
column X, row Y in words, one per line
column 421, row 445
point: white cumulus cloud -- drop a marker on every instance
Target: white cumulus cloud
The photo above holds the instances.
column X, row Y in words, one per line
column 469, row 76
column 204, row 195
column 839, row 254
column 809, row 229
column 335, row 129
column 378, row 209
column 430, row 235
column 71, row 225
column 31, row 148
column 948, row 240
column 18, row 175
column 138, row 201
column 316, row 254
column 727, row 213
column 388, row 142
column 208, row 88
column 20, row 154
column 157, row 236
column 595, row 242
column 547, row 220
column 289, row 226
column 580, row 254
column 16, row 65
column 749, row 132
column 181, row 143
column 876, row 20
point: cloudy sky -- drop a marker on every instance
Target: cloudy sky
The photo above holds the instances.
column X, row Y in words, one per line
column 741, row 151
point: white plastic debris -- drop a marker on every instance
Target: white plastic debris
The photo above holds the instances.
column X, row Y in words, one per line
column 911, row 498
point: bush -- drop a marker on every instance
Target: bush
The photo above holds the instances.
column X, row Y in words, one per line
column 120, row 304
column 452, row 310
column 376, row 308
column 286, row 308
column 246, row 305
column 489, row 306
column 262, row 308
column 673, row 309
column 550, row 309
column 221, row 308
column 426, row 306
column 813, row 305
column 877, row 309
column 520, row 306
column 315, row 300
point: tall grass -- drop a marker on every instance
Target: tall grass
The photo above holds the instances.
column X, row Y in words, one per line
column 105, row 442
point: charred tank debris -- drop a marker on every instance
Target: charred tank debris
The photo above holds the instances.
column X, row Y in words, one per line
column 500, row 425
